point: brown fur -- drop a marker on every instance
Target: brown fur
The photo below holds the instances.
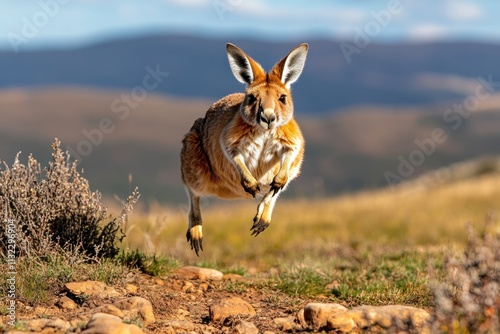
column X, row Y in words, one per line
column 246, row 145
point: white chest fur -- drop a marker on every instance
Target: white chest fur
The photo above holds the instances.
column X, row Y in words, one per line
column 260, row 151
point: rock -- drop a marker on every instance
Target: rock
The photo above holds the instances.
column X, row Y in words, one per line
column 59, row 324
column 224, row 308
column 37, row 325
column 287, row 327
column 233, row 278
column 285, row 324
column 328, row 316
column 209, row 330
column 181, row 325
column 101, row 323
column 46, row 325
column 376, row 318
column 91, row 289
column 78, row 322
column 66, row 303
column 136, row 307
column 301, row 319
column 109, row 309
column 131, row 289
column 203, row 274
column 244, row 327
column 188, row 287
column 182, row 313
column 159, row 281
column 391, row 316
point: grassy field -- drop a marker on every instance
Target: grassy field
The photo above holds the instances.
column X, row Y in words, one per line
column 408, row 245
column 381, row 247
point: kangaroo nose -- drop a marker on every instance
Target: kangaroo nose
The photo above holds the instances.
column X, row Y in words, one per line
column 267, row 116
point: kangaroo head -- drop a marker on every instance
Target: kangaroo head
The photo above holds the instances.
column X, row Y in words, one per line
column 268, row 100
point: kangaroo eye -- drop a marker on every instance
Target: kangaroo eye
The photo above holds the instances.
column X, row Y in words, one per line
column 251, row 98
column 283, row 98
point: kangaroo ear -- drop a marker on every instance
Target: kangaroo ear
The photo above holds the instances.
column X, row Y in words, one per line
column 290, row 67
column 244, row 68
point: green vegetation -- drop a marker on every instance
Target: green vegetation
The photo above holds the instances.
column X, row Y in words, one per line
column 149, row 264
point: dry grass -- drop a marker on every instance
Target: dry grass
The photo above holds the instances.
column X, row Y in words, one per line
column 376, row 248
column 423, row 219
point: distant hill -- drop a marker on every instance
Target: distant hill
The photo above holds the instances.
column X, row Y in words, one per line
column 382, row 74
column 351, row 150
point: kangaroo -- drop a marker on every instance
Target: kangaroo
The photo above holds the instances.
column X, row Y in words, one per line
column 248, row 144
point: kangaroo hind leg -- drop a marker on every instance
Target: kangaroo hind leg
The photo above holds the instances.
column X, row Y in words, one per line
column 264, row 212
column 194, row 233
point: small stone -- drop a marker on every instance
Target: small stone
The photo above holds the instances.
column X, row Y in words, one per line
column 224, row 308
column 78, row 323
column 159, row 281
column 66, row 303
column 59, row 324
column 281, row 321
column 204, row 287
column 91, row 289
column 202, row 274
column 287, row 327
column 131, row 289
column 182, row 314
column 37, row 325
column 233, row 278
column 109, row 309
column 244, row 327
column 328, row 316
column 205, row 329
column 286, row 324
column 101, row 323
column 136, row 307
column 300, row 319
column 181, row 325
column 188, row 287
column 386, row 316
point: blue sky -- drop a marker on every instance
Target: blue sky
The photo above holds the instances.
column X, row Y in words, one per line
column 48, row 23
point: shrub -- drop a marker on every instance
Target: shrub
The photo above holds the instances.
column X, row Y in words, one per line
column 52, row 210
column 468, row 301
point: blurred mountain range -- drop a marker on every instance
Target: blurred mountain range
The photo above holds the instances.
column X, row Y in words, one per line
column 381, row 74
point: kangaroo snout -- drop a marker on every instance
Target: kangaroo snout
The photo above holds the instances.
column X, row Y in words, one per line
column 267, row 119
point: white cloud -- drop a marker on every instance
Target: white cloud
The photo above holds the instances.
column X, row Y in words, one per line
column 256, row 7
column 463, row 10
column 428, row 32
column 190, row 3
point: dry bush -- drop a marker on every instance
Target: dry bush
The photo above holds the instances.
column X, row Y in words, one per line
column 53, row 210
column 469, row 299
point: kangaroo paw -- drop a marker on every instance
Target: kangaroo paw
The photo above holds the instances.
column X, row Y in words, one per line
column 195, row 237
column 258, row 226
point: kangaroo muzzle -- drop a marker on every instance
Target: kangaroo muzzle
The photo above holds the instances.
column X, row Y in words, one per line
column 267, row 119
